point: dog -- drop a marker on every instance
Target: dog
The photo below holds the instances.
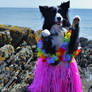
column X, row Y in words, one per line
column 54, row 49
column 56, row 23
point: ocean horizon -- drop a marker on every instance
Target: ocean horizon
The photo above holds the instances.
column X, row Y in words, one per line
column 31, row 17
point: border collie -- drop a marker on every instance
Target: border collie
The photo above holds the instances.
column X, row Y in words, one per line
column 56, row 46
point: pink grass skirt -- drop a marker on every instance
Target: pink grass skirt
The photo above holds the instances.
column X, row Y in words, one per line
column 63, row 77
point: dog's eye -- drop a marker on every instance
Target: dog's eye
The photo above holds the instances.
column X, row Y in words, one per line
column 60, row 10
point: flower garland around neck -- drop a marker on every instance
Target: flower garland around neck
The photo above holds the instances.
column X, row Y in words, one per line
column 60, row 54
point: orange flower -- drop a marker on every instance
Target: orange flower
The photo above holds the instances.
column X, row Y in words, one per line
column 58, row 53
column 70, row 31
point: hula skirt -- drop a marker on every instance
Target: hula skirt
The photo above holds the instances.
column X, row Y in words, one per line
column 63, row 77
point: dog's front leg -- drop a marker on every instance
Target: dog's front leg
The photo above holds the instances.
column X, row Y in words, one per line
column 47, row 42
column 74, row 39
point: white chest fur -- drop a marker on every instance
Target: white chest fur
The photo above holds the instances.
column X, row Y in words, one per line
column 57, row 40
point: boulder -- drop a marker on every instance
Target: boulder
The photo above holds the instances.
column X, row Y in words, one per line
column 6, row 51
column 23, row 55
column 4, row 38
column 89, row 44
column 16, row 36
column 83, row 41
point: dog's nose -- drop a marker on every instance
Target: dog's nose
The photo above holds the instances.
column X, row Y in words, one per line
column 58, row 18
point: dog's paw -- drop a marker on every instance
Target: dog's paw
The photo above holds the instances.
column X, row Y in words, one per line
column 76, row 21
column 45, row 33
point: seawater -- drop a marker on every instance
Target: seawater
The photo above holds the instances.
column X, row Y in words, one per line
column 31, row 17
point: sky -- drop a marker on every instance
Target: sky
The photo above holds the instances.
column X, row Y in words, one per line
column 36, row 3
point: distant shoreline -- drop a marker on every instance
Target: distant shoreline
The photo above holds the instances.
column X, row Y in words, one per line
column 38, row 7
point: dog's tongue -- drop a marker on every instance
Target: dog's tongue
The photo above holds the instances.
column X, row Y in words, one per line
column 59, row 22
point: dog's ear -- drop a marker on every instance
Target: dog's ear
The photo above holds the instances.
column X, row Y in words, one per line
column 43, row 9
column 65, row 5
column 63, row 10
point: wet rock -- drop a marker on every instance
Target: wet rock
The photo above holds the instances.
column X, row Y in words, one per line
column 24, row 54
column 6, row 51
column 90, row 89
column 19, row 79
column 90, row 57
column 90, row 65
column 13, row 70
column 29, row 81
column 90, row 42
column 4, row 38
column 80, row 70
column 85, row 57
column 29, row 36
column 84, row 60
column 16, row 58
column 16, row 36
column 83, row 41
column 23, row 89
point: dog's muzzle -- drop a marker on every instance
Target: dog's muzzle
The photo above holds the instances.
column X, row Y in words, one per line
column 58, row 19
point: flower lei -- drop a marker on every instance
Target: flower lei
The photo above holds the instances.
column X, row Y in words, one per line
column 60, row 54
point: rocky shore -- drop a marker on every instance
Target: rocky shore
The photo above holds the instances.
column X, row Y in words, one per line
column 18, row 57
column 84, row 60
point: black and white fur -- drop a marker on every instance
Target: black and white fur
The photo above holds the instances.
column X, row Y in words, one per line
column 56, row 22
column 51, row 14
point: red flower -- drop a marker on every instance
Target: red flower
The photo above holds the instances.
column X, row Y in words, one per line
column 60, row 58
column 62, row 50
column 44, row 60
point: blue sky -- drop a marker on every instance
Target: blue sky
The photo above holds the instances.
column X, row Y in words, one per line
column 36, row 3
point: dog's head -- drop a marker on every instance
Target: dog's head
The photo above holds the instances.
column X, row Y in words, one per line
column 54, row 15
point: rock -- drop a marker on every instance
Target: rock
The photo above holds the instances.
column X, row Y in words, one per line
column 19, row 35
column 89, row 44
column 23, row 89
column 19, row 79
column 29, row 37
column 90, row 65
column 16, row 58
column 16, row 36
column 83, row 41
column 4, row 38
column 14, row 67
column 90, row 69
column 80, row 71
column 29, row 81
column 90, row 89
column 24, row 54
column 85, row 57
column 6, row 51
column 90, row 56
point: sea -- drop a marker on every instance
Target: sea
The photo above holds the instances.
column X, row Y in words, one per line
column 31, row 17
